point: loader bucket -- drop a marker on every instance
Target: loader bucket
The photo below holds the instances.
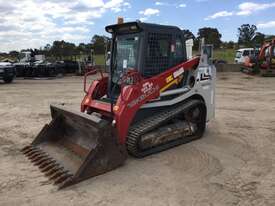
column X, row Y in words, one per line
column 75, row 146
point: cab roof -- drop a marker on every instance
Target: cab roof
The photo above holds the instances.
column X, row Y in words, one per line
column 137, row 26
column 245, row 49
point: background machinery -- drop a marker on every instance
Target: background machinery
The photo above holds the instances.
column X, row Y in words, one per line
column 32, row 65
column 86, row 64
column 153, row 99
column 26, row 59
column 7, row 72
column 241, row 54
column 263, row 61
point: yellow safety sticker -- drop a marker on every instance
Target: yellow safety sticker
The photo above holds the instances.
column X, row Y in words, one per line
column 169, row 79
column 169, row 85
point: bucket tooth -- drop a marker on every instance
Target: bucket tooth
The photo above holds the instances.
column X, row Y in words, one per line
column 65, row 183
column 54, row 170
column 33, row 154
column 38, row 157
column 41, row 160
column 47, row 166
column 31, row 151
column 62, row 178
column 26, row 149
column 58, row 174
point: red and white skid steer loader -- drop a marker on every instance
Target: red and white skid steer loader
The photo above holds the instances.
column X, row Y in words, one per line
column 153, row 99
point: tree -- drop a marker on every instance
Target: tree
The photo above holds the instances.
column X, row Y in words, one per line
column 57, row 49
column 99, row 44
column 47, row 49
column 84, row 48
column 69, row 49
column 259, row 38
column 246, row 33
column 228, row 45
column 63, row 49
column 211, row 36
column 188, row 34
column 39, row 51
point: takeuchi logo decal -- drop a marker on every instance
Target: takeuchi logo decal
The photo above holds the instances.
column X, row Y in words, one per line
column 147, row 89
column 204, row 74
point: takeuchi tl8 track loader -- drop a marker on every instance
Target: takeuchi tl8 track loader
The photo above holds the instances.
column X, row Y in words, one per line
column 153, row 99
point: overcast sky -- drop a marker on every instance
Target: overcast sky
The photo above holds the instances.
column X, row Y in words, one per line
column 34, row 23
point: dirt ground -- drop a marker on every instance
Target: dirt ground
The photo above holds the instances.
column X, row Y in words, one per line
column 232, row 165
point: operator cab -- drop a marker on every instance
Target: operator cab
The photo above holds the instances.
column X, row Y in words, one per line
column 149, row 49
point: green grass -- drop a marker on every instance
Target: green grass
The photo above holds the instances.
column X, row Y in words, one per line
column 225, row 54
column 100, row 59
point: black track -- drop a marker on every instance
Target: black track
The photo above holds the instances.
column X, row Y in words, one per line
column 137, row 130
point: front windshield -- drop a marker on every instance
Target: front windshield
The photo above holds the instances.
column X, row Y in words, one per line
column 238, row 54
column 125, row 54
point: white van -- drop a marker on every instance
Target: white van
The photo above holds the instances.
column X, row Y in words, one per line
column 242, row 53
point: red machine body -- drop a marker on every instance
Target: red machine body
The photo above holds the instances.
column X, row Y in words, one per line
column 264, row 62
column 267, row 55
column 133, row 96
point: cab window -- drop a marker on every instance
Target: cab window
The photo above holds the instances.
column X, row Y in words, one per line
column 158, row 54
column 238, row 54
column 178, row 54
column 179, row 48
column 246, row 53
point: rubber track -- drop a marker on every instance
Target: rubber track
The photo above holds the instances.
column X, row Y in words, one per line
column 154, row 122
